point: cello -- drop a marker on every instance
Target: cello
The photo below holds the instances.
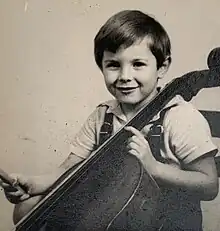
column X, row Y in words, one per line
column 111, row 190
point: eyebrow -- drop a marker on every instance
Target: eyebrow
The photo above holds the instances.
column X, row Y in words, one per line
column 134, row 60
column 110, row 60
column 140, row 59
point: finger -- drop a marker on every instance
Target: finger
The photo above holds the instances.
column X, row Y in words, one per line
column 17, row 197
column 133, row 145
column 22, row 183
column 133, row 152
column 8, row 188
column 24, row 197
column 15, row 194
column 22, row 180
column 135, row 132
column 3, row 184
column 10, row 180
column 139, row 138
column 17, row 189
column 18, row 178
column 136, row 140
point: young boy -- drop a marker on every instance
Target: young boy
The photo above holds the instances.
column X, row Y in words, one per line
column 132, row 51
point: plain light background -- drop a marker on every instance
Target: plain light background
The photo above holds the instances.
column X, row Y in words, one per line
column 49, row 82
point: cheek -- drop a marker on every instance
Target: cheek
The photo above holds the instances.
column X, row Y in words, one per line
column 148, row 79
column 110, row 77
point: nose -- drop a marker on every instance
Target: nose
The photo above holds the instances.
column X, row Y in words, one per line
column 125, row 75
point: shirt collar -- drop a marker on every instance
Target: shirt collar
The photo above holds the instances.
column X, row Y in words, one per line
column 115, row 108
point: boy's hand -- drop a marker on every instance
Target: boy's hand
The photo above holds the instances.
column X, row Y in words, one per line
column 36, row 185
column 139, row 147
column 14, row 193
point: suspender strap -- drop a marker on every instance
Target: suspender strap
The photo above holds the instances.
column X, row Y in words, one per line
column 155, row 135
column 106, row 129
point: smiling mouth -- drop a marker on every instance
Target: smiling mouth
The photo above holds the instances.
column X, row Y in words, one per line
column 126, row 89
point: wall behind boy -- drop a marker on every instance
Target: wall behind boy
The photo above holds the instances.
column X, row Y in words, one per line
column 50, row 83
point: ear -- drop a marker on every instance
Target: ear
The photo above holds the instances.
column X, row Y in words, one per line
column 164, row 68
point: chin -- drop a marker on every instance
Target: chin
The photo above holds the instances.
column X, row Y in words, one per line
column 130, row 102
column 133, row 102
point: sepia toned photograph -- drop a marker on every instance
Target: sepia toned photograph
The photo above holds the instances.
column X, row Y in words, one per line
column 109, row 114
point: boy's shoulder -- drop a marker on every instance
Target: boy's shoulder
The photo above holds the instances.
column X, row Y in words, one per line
column 108, row 103
column 183, row 114
column 179, row 107
column 102, row 108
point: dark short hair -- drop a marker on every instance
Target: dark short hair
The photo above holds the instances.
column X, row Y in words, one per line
column 126, row 27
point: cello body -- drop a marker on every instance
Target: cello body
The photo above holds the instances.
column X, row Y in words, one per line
column 111, row 190
column 120, row 195
column 121, row 200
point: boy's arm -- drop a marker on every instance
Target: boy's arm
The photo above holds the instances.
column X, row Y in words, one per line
column 40, row 184
column 191, row 144
column 82, row 145
column 68, row 163
column 198, row 178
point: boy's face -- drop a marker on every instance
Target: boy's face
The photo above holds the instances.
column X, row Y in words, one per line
column 131, row 74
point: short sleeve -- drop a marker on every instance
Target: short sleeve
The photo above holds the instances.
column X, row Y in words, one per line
column 84, row 141
column 189, row 133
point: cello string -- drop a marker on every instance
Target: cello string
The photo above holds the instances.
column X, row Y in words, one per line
column 129, row 200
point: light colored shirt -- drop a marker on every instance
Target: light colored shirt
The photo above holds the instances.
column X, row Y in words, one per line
column 186, row 133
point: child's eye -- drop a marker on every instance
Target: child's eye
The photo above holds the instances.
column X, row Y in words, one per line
column 138, row 64
column 113, row 64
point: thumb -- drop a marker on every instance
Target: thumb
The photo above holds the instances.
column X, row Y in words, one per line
column 21, row 181
column 28, row 184
column 19, row 178
column 135, row 132
column 20, row 184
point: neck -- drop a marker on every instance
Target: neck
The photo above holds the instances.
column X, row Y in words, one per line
column 130, row 110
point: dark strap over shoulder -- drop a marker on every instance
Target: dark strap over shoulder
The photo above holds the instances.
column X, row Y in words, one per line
column 106, row 129
column 155, row 135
